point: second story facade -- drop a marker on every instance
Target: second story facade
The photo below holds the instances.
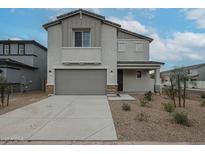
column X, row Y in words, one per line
column 28, row 52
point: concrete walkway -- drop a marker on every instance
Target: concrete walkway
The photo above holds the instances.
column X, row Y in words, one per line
column 60, row 118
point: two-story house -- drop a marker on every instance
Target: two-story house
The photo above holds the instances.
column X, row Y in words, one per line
column 88, row 54
column 23, row 63
column 196, row 75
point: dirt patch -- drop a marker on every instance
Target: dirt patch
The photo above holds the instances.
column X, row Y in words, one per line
column 21, row 99
column 159, row 127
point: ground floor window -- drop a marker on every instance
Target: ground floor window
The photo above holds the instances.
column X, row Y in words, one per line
column 138, row 74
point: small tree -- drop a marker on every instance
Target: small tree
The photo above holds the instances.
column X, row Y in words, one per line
column 178, row 80
column 184, row 77
column 2, row 88
column 172, row 88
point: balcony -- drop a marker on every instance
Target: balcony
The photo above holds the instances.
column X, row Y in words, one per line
column 81, row 55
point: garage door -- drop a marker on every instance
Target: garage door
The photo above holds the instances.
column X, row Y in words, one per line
column 80, row 82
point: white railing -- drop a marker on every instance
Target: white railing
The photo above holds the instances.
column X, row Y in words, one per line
column 81, row 55
column 196, row 84
column 190, row 84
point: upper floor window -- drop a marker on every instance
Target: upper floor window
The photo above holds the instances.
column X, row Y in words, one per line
column 139, row 47
column 6, row 49
column 138, row 74
column 21, row 49
column 82, row 38
column 121, row 46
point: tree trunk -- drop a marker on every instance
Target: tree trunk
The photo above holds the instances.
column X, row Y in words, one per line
column 2, row 96
column 184, row 93
column 8, row 94
column 173, row 94
column 179, row 89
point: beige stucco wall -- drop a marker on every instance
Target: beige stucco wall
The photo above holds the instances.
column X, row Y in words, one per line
column 86, row 22
column 131, row 54
column 108, row 55
column 131, row 84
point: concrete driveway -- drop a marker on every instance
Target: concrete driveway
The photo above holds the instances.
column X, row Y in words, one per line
column 60, row 118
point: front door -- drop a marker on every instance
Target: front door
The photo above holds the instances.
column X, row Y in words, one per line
column 120, row 80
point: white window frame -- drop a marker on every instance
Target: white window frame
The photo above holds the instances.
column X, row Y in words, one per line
column 7, row 50
column 82, row 38
column 137, row 47
column 19, row 50
column 137, row 71
column 121, row 50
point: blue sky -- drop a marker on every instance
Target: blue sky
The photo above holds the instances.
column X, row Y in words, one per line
column 179, row 34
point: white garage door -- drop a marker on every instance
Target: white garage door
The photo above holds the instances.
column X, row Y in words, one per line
column 80, row 82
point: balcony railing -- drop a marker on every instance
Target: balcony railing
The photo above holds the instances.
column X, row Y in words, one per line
column 81, row 55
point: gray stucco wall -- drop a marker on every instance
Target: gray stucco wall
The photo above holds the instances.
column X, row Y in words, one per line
column 27, row 76
column 131, row 52
column 85, row 23
column 131, row 84
column 201, row 72
column 37, row 76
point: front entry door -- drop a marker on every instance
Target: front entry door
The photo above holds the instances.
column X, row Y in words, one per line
column 120, row 80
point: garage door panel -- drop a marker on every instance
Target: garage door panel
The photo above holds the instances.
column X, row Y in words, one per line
column 80, row 81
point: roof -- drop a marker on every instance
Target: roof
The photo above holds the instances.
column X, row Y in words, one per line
column 11, row 62
column 82, row 11
column 97, row 16
column 25, row 41
column 140, row 62
column 186, row 67
column 135, row 34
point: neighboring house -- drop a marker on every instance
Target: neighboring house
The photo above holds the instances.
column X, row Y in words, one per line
column 196, row 76
column 24, row 63
column 88, row 54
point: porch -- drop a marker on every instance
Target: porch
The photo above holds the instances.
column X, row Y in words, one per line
column 134, row 76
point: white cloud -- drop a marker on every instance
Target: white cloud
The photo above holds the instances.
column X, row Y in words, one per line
column 128, row 22
column 95, row 10
column 182, row 46
column 197, row 15
column 178, row 47
column 15, row 38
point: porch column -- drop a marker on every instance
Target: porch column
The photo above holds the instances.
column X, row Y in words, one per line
column 157, row 83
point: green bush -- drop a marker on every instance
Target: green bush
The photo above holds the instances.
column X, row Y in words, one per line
column 126, row 107
column 203, row 103
column 144, row 102
column 181, row 118
column 148, row 95
column 142, row 116
column 169, row 107
column 202, row 95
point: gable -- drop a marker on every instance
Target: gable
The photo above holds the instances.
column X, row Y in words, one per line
column 81, row 21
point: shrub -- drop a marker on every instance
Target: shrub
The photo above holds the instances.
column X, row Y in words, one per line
column 126, row 107
column 202, row 95
column 203, row 103
column 142, row 116
column 169, row 107
column 148, row 95
column 181, row 118
column 144, row 102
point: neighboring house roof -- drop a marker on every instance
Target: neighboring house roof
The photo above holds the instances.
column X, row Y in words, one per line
column 97, row 16
column 25, row 41
column 7, row 62
column 185, row 67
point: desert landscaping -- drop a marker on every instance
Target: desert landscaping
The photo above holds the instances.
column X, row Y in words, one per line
column 153, row 123
column 18, row 100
